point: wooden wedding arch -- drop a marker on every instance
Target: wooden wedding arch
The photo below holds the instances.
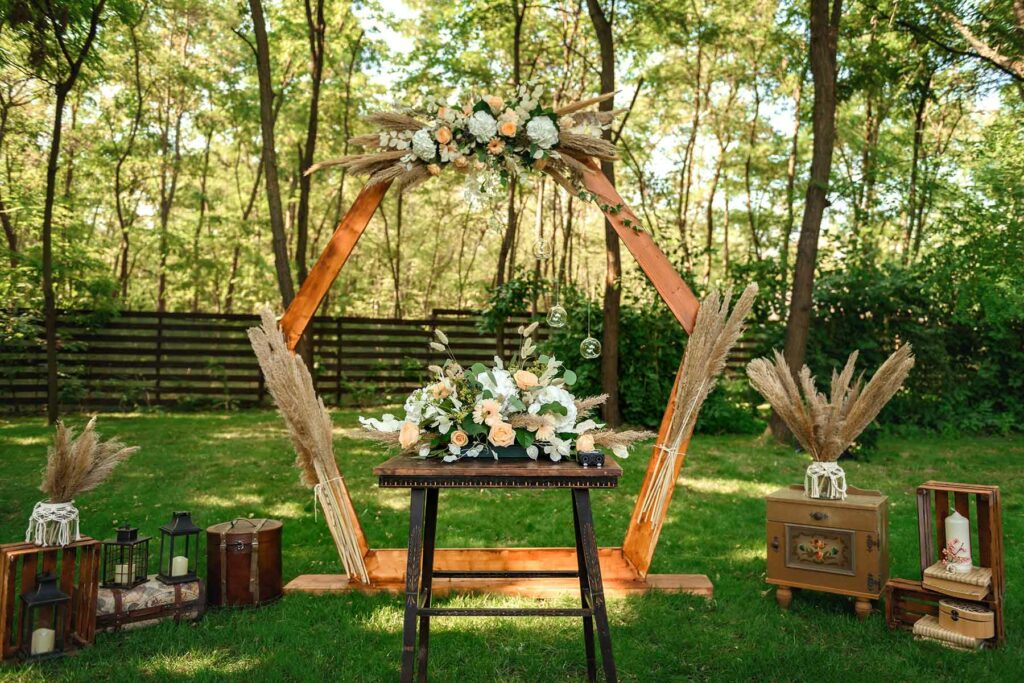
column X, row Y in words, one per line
column 625, row 568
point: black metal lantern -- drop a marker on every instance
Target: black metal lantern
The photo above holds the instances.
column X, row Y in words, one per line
column 179, row 549
column 43, row 611
column 125, row 559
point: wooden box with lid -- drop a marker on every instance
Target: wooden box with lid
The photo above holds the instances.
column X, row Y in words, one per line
column 833, row 546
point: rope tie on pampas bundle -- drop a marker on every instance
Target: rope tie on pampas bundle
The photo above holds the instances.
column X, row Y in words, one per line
column 818, row 472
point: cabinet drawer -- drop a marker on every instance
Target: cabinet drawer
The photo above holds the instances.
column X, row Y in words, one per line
column 814, row 513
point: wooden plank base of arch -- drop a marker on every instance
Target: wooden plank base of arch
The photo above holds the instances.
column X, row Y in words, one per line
column 625, row 568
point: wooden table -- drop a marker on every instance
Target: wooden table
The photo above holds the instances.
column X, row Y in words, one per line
column 425, row 478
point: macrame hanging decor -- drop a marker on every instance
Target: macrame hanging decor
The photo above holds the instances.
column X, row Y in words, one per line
column 53, row 524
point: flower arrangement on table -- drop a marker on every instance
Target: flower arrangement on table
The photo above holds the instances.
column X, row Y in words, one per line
column 490, row 410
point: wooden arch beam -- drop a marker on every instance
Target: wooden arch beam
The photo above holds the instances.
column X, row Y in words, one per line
column 641, row 537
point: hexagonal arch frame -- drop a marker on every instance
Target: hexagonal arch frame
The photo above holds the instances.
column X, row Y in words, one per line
column 625, row 568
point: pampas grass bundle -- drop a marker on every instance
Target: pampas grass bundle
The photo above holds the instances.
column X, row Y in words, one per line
column 76, row 465
column 825, row 426
column 715, row 332
column 311, row 431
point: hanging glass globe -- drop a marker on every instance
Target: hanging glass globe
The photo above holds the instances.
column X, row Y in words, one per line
column 542, row 249
column 590, row 348
column 557, row 316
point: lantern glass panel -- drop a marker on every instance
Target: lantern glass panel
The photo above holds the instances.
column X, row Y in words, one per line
column 125, row 559
column 43, row 611
column 179, row 543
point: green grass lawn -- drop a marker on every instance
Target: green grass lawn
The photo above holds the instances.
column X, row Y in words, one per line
column 223, row 465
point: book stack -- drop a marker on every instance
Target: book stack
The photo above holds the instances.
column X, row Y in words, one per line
column 973, row 585
column 927, row 628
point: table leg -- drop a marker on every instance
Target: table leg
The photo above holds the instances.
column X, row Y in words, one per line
column 590, row 556
column 412, row 577
column 429, row 534
column 588, row 622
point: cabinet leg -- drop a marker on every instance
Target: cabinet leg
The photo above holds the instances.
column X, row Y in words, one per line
column 784, row 596
column 862, row 608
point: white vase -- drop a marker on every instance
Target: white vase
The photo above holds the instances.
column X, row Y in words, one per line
column 825, row 481
column 53, row 524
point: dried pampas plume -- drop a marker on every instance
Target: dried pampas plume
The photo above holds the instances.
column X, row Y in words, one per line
column 76, row 465
column 826, row 425
column 309, row 425
column 715, row 332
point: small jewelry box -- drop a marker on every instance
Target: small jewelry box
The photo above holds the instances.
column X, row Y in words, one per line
column 967, row 618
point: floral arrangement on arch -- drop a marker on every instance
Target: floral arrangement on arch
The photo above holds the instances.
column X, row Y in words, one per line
column 480, row 410
column 480, row 138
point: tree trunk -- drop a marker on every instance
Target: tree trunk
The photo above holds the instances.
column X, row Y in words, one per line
column 61, row 90
column 168, row 190
column 125, row 222
column 316, row 29
column 912, row 201
column 824, row 38
column 794, row 151
column 747, row 164
column 203, row 202
column 282, row 265
column 686, row 175
column 613, row 258
column 506, row 252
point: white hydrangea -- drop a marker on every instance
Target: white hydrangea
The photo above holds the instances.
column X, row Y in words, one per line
column 423, row 144
column 502, row 388
column 482, row 126
column 553, row 394
column 542, row 131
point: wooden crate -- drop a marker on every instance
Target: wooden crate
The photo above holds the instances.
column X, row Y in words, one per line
column 980, row 505
column 78, row 567
column 907, row 601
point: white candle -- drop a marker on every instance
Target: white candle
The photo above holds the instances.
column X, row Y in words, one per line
column 958, row 543
column 179, row 566
column 42, row 641
column 121, row 574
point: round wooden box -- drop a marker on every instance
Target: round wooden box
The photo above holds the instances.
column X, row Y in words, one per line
column 243, row 562
column 967, row 618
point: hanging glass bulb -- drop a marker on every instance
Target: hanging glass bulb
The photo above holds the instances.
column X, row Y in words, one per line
column 542, row 249
column 590, row 348
column 557, row 316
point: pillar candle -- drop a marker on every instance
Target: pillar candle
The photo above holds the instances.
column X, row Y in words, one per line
column 179, row 566
column 42, row 641
column 958, row 542
column 121, row 574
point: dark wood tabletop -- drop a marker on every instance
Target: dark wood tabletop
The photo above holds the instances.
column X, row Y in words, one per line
column 403, row 471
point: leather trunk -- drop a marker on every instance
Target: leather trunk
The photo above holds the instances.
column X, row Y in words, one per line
column 148, row 604
column 243, row 562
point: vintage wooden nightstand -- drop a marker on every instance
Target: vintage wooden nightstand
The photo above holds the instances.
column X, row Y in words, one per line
column 834, row 546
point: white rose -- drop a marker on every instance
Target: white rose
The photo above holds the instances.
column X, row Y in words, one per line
column 552, row 394
column 423, row 145
column 482, row 126
column 542, row 131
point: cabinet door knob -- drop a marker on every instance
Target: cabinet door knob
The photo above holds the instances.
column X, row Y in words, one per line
column 818, row 515
column 775, row 543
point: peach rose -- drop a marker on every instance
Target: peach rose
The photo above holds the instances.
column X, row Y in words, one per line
column 443, row 135
column 409, row 435
column 460, row 438
column 495, row 146
column 440, row 390
column 434, row 169
column 501, row 434
column 467, row 110
column 487, row 411
column 525, row 379
column 479, row 165
column 460, row 162
column 442, row 112
column 508, row 128
column 494, row 102
column 585, row 443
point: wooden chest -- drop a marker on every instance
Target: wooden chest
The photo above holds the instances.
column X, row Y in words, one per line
column 243, row 562
column 835, row 546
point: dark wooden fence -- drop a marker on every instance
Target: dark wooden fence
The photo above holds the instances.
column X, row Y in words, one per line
column 134, row 359
column 143, row 359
